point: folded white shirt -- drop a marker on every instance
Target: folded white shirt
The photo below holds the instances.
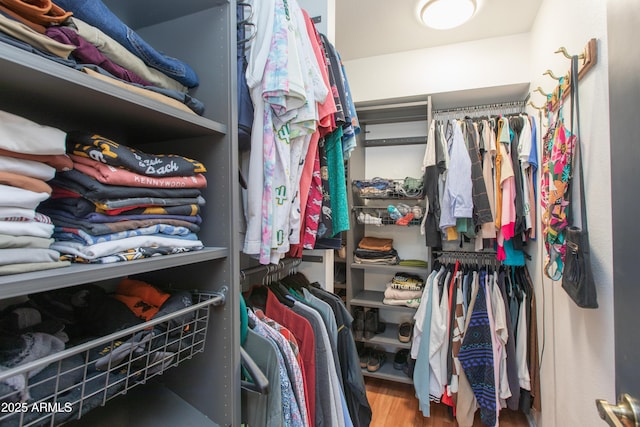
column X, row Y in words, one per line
column 20, row 198
column 8, row 241
column 393, row 293
column 26, row 228
column 26, row 167
column 12, row 212
column 412, row 303
column 21, row 135
column 25, row 255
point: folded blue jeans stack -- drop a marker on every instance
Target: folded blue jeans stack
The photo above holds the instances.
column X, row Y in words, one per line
column 96, row 13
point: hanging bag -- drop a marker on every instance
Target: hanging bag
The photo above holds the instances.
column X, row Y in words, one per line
column 577, row 278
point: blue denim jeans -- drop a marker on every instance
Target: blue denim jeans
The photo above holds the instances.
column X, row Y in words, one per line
column 194, row 104
column 96, row 13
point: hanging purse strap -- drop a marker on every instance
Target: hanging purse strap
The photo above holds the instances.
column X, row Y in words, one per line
column 575, row 111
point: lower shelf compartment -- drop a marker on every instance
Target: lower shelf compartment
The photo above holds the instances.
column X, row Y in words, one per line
column 66, row 385
column 132, row 409
column 388, row 372
column 388, row 338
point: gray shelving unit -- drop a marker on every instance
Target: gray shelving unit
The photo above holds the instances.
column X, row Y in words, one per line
column 204, row 389
column 358, row 294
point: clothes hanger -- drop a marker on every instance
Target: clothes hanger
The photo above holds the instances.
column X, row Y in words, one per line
column 258, row 381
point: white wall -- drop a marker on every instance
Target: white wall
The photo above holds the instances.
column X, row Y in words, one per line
column 494, row 62
column 578, row 358
column 578, row 364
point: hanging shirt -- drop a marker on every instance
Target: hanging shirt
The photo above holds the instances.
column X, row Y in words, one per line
column 437, row 332
column 521, row 346
column 467, row 402
column 489, row 138
column 481, row 208
column 259, row 164
column 508, row 191
column 292, row 368
column 494, row 340
column 290, row 409
column 457, row 200
column 266, row 409
column 421, row 373
column 476, row 358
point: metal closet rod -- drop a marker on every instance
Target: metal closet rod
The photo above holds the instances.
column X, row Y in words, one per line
column 467, row 257
column 270, row 268
column 482, row 108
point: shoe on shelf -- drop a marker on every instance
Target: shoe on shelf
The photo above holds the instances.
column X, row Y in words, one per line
column 364, row 355
column 400, row 359
column 372, row 324
column 404, row 332
column 409, row 367
column 358, row 323
column 377, row 358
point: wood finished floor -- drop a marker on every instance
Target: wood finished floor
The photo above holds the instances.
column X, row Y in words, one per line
column 394, row 404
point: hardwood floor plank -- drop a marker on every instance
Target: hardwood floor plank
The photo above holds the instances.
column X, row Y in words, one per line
column 395, row 404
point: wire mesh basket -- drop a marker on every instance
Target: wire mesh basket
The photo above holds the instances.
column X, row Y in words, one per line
column 381, row 188
column 65, row 385
column 380, row 216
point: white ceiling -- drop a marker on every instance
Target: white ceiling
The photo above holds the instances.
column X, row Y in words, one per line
column 377, row 27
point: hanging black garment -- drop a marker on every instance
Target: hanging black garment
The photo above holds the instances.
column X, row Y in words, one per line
column 433, row 235
column 512, row 365
column 354, row 386
column 325, row 227
column 245, row 105
column 481, row 209
column 517, row 124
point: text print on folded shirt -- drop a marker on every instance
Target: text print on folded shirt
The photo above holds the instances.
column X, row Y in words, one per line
column 112, row 153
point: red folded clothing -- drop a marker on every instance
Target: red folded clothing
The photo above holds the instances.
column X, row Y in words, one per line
column 118, row 176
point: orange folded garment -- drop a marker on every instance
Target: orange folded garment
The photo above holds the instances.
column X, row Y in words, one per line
column 42, row 12
column 144, row 291
column 376, row 243
column 140, row 308
column 24, row 182
column 61, row 162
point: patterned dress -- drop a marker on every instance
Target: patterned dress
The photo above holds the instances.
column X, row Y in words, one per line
column 557, row 154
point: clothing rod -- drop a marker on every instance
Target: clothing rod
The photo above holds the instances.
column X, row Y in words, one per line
column 467, row 254
column 482, row 107
column 270, row 268
column 465, row 257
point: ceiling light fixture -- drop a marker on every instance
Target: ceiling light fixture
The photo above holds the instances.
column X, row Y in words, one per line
column 445, row 14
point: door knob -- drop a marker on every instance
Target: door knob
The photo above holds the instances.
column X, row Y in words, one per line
column 625, row 414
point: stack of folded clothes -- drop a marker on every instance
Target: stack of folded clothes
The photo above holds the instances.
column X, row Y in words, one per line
column 404, row 289
column 29, row 156
column 87, row 36
column 121, row 204
column 376, row 250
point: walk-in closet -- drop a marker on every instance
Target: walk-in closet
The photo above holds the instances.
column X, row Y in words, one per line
column 318, row 213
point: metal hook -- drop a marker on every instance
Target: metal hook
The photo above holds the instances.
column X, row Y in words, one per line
column 535, row 106
column 542, row 92
column 566, row 54
column 252, row 35
column 550, row 73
